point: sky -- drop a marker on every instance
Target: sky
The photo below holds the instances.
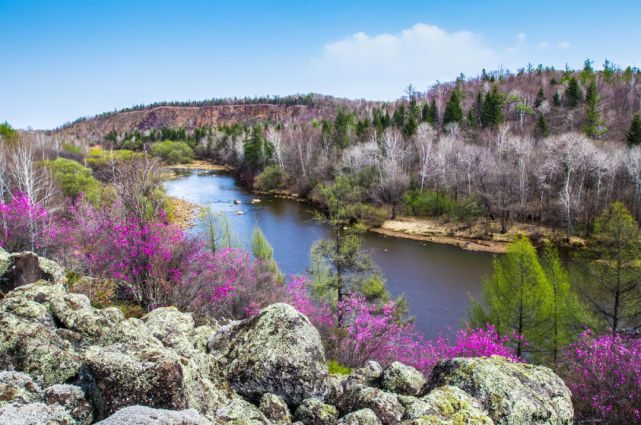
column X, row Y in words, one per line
column 61, row 60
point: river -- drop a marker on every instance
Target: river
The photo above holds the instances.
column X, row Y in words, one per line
column 435, row 278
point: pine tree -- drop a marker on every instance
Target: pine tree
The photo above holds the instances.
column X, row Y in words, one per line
column 425, row 114
column 409, row 129
column 542, row 128
column 557, row 99
column 492, row 115
column 517, row 296
column 477, row 108
column 540, row 98
column 399, row 117
column 470, row 118
column 436, row 119
column 453, row 110
column 341, row 124
column 256, row 150
column 573, row 94
column 634, row 134
column 595, row 124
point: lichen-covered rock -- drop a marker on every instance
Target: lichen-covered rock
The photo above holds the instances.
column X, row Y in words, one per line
column 274, row 408
column 157, row 377
column 360, row 417
column 34, row 414
column 368, row 375
column 173, row 328
column 89, row 322
column 18, row 388
column 448, row 406
column 4, row 261
column 24, row 268
column 337, row 382
column 401, row 379
column 142, row 415
column 31, row 347
column 512, row 393
column 313, row 412
column 114, row 314
column 385, row 405
column 41, row 292
column 200, row 337
column 26, row 309
column 130, row 331
column 238, row 411
column 406, row 400
column 73, row 399
column 276, row 351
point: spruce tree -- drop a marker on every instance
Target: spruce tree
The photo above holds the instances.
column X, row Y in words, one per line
column 542, row 128
column 436, row 119
column 595, row 124
column 556, row 101
column 492, row 115
column 477, row 108
column 453, row 110
column 573, row 94
column 470, row 118
column 634, row 134
column 425, row 114
column 540, row 98
column 341, row 134
column 399, row 117
column 409, row 129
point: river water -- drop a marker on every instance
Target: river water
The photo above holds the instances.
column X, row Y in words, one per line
column 435, row 278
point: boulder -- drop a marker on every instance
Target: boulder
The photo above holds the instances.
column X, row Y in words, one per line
column 200, row 337
column 337, row 383
column 385, row 405
column 448, row 406
column 406, row 400
column 238, row 411
column 29, row 310
column 73, row 399
column 75, row 315
column 18, row 388
column 157, row 377
column 276, row 351
column 142, row 415
column 274, row 408
column 24, row 268
column 313, row 412
column 173, row 328
column 401, row 379
column 42, row 292
column 34, row 414
column 360, row 417
column 130, row 331
column 368, row 375
column 511, row 393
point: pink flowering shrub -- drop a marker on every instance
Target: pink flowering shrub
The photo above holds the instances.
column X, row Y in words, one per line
column 604, row 374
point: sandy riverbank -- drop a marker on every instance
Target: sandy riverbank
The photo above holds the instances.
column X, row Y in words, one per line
column 184, row 212
column 198, row 164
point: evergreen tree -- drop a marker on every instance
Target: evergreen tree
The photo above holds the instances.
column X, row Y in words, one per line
column 542, row 128
column 540, row 98
column 477, row 108
column 594, row 123
column 436, row 119
column 341, row 127
column 634, row 134
column 492, row 115
column 557, row 99
column 262, row 250
column 256, row 150
column 399, row 117
column 470, row 118
column 554, row 82
column 409, row 129
column 453, row 110
column 573, row 94
column 425, row 114
column 517, row 296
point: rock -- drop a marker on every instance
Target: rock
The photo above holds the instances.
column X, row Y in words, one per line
column 142, row 415
column 238, row 411
column 173, row 328
column 337, row 382
column 130, row 331
column 385, row 405
column 255, row 201
column 313, row 412
column 274, row 408
column 41, row 292
column 89, row 322
column 18, row 388
column 114, row 314
column 276, row 351
column 360, row 417
column 157, row 377
column 200, row 337
column 237, row 202
column 448, row 406
column 368, row 375
column 34, row 414
column 239, row 213
column 512, row 393
column 401, row 379
column 25, row 268
column 406, row 400
column 73, row 399
column 29, row 310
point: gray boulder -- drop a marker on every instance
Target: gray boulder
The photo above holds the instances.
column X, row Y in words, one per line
column 385, row 405
column 173, row 328
column 238, row 411
column 35, row 414
column 75, row 315
column 72, row 399
column 448, row 406
column 142, row 415
column 313, row 412
column 274, row 408
column 369, row 375
column 401, row 379
column 18, row 388
column 276, row 351
column 337, row 384
column 360, row 417
column 511, row 393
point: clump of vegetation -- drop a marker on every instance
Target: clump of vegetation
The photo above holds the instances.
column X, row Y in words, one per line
column 74, row 179
column 173, row 152
column 335, row 368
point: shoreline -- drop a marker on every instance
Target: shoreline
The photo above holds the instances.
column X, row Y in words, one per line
column 199, row 164
column 184, row 212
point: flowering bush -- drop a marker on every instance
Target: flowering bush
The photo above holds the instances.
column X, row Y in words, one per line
column 604, row 374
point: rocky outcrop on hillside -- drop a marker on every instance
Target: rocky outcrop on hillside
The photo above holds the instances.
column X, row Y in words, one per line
column 180, row 116
column 64, row 362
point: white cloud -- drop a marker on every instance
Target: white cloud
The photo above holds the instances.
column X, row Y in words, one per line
column 521, row 38
column 543, row 45
column 563, row 45
column 419, row 55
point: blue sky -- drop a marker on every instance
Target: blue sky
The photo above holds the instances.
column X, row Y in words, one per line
column 66, row 59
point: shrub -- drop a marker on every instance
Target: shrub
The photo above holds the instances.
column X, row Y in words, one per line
column 71, row 148
column 74, row 179
column 336, row 368
column 272, row 178
column 173, row 152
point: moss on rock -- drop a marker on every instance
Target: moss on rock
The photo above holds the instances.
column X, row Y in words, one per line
column 360, row 417
column 173, row 328
column 448, row 406
column 313, row 412
column 401, row 379
column 240, row 412
column 275, row 409
column 384, row 405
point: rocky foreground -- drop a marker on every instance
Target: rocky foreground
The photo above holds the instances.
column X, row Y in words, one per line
column 64, row 362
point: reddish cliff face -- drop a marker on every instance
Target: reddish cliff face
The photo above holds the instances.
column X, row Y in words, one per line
column 189, row 117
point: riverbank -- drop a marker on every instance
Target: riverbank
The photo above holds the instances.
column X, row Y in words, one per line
column 198, row 164
column 471, row 239
column 184, row 212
